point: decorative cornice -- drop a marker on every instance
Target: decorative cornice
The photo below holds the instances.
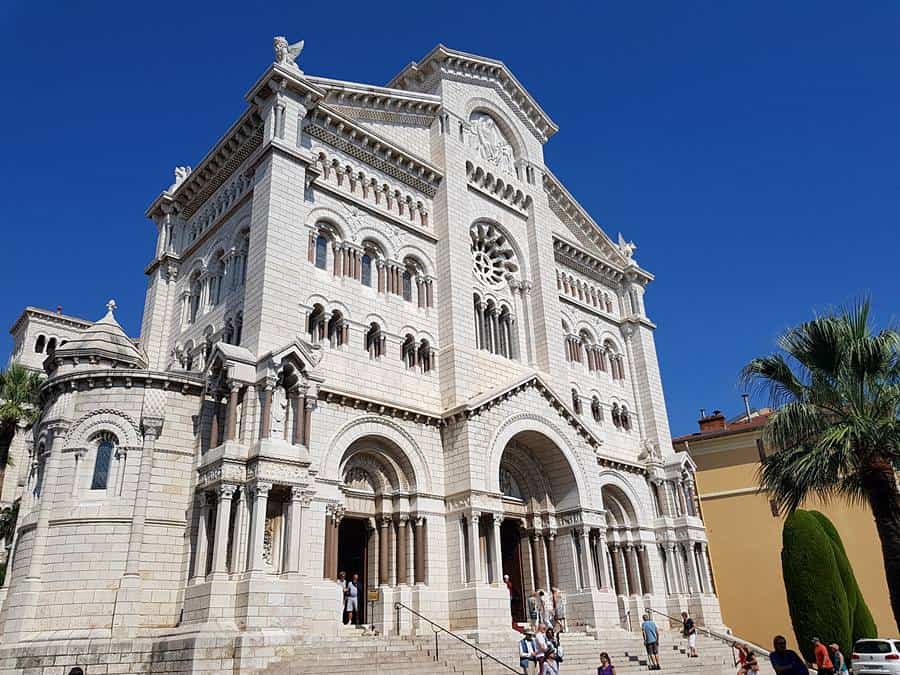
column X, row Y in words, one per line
column 344, row 398
column 331, row 127
column 364, row 101
column 572, row 213
column 46, row 315
column 470, row 67
column 579, row 260
column 186, row 383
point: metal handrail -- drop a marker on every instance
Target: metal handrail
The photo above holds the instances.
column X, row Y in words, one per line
column 437, row 628
column 731, row 640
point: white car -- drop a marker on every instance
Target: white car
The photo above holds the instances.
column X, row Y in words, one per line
column 876, row 656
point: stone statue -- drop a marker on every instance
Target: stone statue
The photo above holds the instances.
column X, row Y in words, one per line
column 181, row 173
column 279, row 411
column 485, row 137
column 626, row 247
column 287, row 54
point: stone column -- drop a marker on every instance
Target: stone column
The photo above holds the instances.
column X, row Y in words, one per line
column 327, row 569
column 429, row 293
column 214, row 422
column 475, row 547
column 299, row 414
column 380, row 266
column 419, row 557
column 220, row 536
column 293, row 528
column 308, row 407
column 551, row 557
column 497, row 553
column 620, row 566
column 258, row 526
column 587, row 558
column 402, row 550
column 635, row 565
column 266, row 421
column 231, row 413
column 201, row 553
column 603, row 569
column 384, row 568
column 537, row 555
column 237, row 562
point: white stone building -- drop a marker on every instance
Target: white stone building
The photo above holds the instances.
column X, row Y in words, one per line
column 379, row 337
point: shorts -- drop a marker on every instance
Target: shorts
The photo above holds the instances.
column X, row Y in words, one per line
column 652, row 648
column 350, row 606
column 692, row 640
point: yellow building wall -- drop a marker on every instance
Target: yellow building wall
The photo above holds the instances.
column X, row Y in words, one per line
column 745, row 548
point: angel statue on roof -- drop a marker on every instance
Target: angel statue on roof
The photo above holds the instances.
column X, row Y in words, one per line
column 286, row 54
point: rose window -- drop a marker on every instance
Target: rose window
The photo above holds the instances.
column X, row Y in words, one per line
column 493, row 259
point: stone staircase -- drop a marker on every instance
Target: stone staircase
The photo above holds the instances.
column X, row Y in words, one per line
column 360, row 654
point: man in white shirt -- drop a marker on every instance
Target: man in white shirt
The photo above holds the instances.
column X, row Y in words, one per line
column 528, row 654
column 352, row 599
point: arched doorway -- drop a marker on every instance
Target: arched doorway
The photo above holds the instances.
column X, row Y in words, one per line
column 626, row 556
column 537, row 485
column 376, row 532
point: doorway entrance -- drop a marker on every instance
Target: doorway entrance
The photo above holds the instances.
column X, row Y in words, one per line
column 353, row 558
column 511, row 554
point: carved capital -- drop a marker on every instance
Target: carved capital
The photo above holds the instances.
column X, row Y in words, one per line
column 261, row 489
column 226, row 491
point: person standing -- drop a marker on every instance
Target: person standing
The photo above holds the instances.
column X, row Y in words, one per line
column 786, row 661
column 606, row 666
column 528, row 660
column 342, row 588
column 544, row 609
column 747, row 660
column 689, row 631
column 837, row 657
column 651, row 642
column 823, row 659
column 352, row 604
column 552, row 659
column 559, row 611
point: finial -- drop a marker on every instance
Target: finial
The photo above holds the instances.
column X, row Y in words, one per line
column 286, row 54
column 111, row 306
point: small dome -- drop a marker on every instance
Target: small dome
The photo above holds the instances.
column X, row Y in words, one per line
column 104, row 340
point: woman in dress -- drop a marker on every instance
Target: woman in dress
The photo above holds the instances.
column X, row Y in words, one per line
column 606, row 666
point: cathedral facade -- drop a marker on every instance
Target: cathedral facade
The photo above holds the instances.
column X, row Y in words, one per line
column 380, row 337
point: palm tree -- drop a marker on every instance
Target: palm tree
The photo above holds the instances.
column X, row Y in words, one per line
column 835, row 384
column 19, row 405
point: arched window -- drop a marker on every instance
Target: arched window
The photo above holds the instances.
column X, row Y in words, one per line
column 189, row 356
column 238, row 327
column 316, row 324
column 239, row 261
column 596, row 410
column 408, row 351
column 228, row 333
column 626, row 419
column 374, row 341
column 194, row 298
column 39, row 344
column 616, row 415
column 576, row 402
column 217, row 280
column 51, row 346
column 366, row 270
column 336, row 329
column 102, row 461
column 322, row 252
column 425, row 358
column 407, row 285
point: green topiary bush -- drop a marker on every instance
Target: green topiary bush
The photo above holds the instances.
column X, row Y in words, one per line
column 862, row 625
column 816, row 597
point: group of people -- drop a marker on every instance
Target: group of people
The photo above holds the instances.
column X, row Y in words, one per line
column 349, row 598
column 827, row 660
column 650, row 633
column 545, row 610
column 540, row 651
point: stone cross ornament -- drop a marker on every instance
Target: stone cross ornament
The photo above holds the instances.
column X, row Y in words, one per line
column 286, row 54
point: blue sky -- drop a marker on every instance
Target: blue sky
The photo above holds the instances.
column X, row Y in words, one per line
column 751, row 150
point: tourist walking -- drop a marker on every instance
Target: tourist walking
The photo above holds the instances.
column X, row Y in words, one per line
column 528, row 654
column 544, row 609
column 837, row 657
column 746, row 660
column 823, row 659
column 552, row 659
column 689, row 631
column 559, row 611
column 606, row 666
column 786, row 661
column 351, row 594
column 651, row 641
